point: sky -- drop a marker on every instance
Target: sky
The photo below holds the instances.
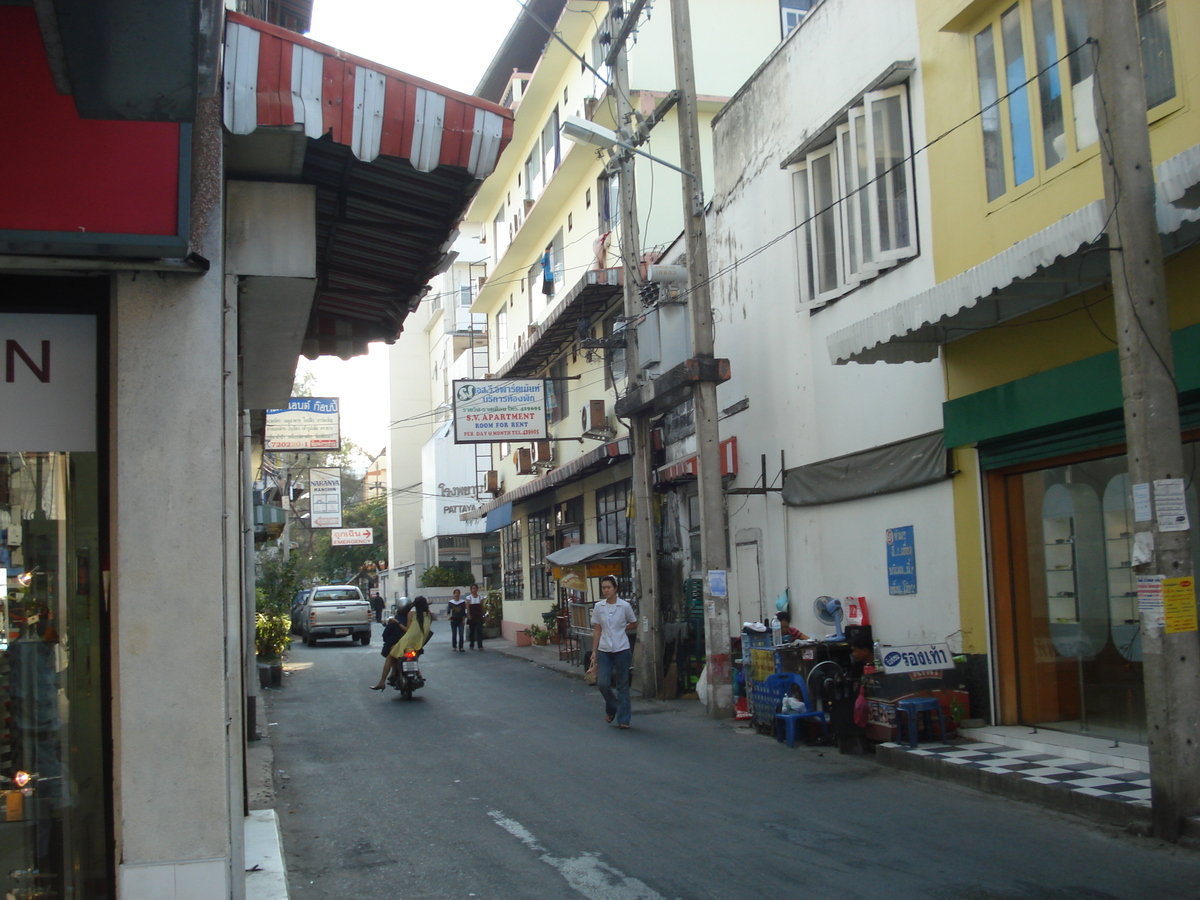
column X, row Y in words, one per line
column 448, row 44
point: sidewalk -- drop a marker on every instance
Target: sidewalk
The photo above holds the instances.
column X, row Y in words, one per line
column 266, row 874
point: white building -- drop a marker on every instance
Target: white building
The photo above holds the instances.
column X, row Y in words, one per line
column 819, row 217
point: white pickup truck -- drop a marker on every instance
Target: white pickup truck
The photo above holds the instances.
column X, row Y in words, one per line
column 336, row 611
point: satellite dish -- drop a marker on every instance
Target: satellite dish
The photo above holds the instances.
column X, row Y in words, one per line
column 829, row 611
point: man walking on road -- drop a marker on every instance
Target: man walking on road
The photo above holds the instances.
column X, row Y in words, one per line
column 475, row 618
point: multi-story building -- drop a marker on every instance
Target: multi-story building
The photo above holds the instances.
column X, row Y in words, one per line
column 550, row 216
column 1022, row 322
column 439, row 481
column 821, row 218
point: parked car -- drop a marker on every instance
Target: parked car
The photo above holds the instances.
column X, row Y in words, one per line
column 336, row 610
column 298, row 609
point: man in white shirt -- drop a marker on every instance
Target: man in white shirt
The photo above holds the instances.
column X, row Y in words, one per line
column 475, row 618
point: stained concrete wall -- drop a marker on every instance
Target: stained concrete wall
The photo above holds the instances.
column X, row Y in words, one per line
column 175, row 590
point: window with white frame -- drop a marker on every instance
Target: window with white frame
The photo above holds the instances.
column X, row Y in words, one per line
column 793, row 12
column 551, row 155
column 1031, row 128
column 502, row 331
column 854, row 199
column 499, row 234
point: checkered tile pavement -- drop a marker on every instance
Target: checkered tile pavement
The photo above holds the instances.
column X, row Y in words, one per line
column 1095, row 779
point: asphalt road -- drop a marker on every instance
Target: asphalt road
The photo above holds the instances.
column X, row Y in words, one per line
column 501, row 780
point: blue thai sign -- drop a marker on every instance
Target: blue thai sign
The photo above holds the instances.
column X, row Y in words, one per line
column 901, row 561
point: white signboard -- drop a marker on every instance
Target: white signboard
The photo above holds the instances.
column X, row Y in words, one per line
column 500, row 410
column 325, row 497
column 917, row 658
column 48, row 392
column 309, row 423
column 448, row 474
column 351, row 537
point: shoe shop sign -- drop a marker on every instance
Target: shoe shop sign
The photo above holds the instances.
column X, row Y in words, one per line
column 916, row 658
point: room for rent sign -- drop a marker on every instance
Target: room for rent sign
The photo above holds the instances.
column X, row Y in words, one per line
column 499, row 410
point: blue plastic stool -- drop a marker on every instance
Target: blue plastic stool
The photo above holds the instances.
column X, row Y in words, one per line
column 912, row 707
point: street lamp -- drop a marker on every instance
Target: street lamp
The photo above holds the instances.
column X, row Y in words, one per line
column 583, row 131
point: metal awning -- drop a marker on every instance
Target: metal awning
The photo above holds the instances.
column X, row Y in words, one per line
column 1057, row 262
column 395, row 159
column 581, row 553
column 588, row 299
column 594, row 460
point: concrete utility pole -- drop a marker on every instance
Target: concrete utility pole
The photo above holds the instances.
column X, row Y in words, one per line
column 649, row 668
column 1171, row 667
column 713, row 545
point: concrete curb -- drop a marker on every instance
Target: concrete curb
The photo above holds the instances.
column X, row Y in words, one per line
column 1097, row 809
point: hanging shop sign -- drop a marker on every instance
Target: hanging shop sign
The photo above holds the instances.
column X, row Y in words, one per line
column 351, row 537
column 901, row 561
column 500, row 410
column 325, row 497
column 917, row 658
column 48, row 393
column 308, row 423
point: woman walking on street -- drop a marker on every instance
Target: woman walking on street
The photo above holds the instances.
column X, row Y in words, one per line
column 612, row 618
column 458, row 611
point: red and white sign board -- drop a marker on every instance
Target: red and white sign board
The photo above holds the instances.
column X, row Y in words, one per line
column 351, row 537
column 689, row 466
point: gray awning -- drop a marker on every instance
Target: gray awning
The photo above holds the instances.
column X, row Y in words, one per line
column 914, row 462
column 581, row 553
column 1042, row 269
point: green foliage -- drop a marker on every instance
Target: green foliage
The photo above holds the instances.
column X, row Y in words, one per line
column 442, row 576
column 493, row 608
column 344, row 565
column 272, row 636
column 278, row 582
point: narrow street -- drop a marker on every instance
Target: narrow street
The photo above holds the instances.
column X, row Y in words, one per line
column 501, row 780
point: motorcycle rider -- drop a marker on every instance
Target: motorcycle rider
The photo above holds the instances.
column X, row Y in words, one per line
column 417, row 630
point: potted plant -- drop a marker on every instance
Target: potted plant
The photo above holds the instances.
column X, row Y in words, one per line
column 493, row 613
column 537, row 635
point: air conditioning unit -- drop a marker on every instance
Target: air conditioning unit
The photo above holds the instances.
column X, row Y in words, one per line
column 543, row 455
column 492, row 482
column 595, row 421
column 523, row 460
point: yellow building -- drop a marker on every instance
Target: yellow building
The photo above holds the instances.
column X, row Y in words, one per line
column 1022, row 318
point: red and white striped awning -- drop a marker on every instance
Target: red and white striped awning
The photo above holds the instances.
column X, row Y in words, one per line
column 275, row 77
column 689, row 466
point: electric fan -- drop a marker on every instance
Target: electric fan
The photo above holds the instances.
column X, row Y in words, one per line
column 829, row 611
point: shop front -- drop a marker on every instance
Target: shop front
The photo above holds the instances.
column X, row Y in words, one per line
column 53, row 658
column 1060, row 520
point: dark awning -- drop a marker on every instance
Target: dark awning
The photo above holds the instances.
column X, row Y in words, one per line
column 898, row 466
column 592, row 461
column 588, row 299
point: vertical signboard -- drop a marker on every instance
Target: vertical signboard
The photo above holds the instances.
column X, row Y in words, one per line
column 325, row 497
column 901, row 561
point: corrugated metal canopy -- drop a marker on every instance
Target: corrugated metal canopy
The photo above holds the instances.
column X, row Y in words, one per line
column 396, row 160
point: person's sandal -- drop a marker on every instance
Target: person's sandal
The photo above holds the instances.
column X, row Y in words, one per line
column 623, row 727
column 609, row 718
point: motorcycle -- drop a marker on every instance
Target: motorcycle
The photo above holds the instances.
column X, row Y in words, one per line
column 406, row 676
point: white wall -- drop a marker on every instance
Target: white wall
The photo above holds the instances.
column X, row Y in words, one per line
column 449, row 487
column 800, row 403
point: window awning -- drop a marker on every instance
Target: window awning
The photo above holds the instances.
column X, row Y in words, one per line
column 581, row 553
column 1042, row 269
column 599, row 458
column 396, row 160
